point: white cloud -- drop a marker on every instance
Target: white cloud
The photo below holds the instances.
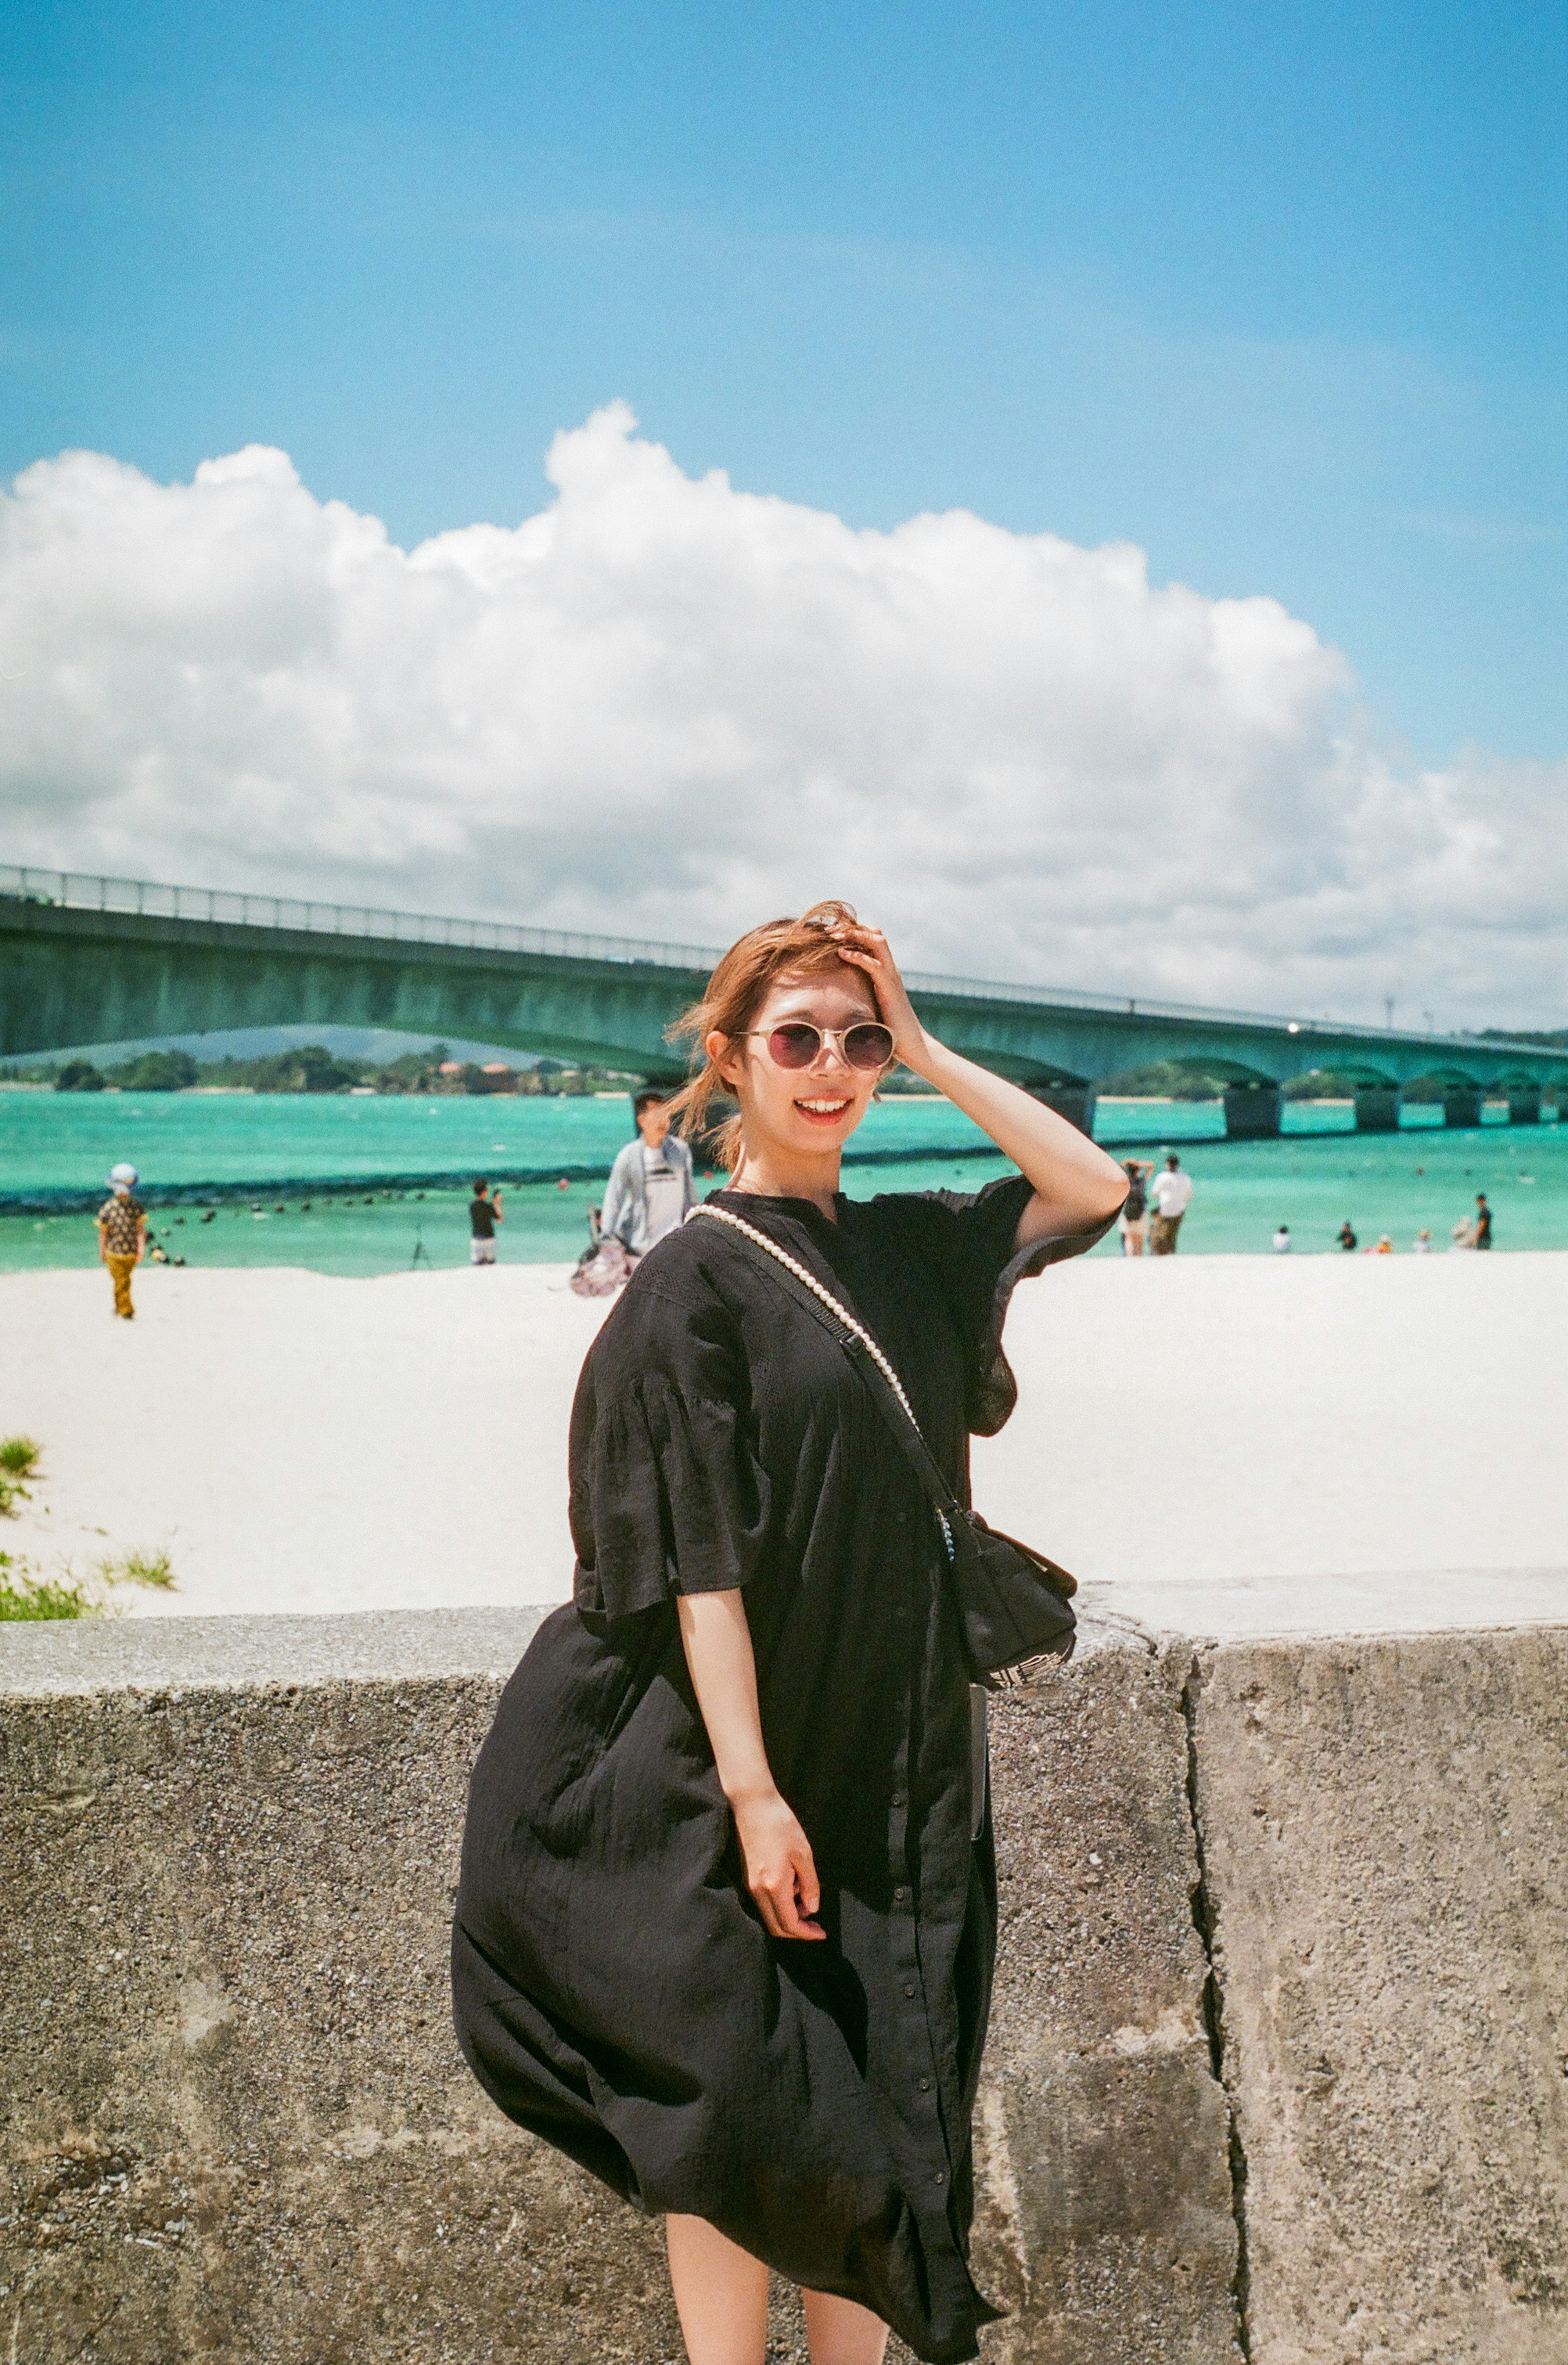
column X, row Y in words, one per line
column 666, row 708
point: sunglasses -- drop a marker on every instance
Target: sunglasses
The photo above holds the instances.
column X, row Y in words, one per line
column 868, row 1046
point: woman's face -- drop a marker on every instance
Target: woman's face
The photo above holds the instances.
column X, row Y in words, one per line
column 802, row 1110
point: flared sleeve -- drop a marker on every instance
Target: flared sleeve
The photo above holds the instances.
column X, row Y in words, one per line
column 667, row 1495
column 965, row 1240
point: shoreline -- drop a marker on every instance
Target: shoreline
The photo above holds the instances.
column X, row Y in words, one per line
column 66, row 1199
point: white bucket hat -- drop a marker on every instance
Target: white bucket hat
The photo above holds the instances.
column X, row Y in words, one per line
column 127, row 1175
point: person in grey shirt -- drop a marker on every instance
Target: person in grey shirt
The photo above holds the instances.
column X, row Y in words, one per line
column 652, row 1188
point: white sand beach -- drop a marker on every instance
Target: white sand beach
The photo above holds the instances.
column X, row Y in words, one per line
column 1214, row 1444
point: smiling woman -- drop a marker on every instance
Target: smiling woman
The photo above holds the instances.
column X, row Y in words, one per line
column 727, row 1914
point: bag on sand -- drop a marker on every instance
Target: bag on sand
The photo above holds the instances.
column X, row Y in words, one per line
column 1013, row 1603
column 602, row 1269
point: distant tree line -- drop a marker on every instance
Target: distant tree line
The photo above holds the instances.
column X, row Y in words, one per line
column 311, row 1067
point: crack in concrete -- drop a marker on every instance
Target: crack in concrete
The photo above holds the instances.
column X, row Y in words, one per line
column 93, row 2330
column 1213, row 2015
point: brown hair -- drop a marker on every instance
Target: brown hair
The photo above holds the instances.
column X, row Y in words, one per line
column 735, row 994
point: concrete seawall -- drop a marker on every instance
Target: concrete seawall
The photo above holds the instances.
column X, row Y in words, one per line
column 1278, row 2072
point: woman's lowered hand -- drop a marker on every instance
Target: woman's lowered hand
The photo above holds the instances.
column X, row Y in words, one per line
column 780, row 1870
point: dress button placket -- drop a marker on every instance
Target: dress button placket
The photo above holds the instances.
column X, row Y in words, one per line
column 925, row 2112
column 926, row 2121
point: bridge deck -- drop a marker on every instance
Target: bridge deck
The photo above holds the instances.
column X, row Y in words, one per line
column 87, row 959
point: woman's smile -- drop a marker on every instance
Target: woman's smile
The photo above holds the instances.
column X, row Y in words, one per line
column 823, row 1110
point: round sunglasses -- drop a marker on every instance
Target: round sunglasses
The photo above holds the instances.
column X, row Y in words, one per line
column 866, row 1046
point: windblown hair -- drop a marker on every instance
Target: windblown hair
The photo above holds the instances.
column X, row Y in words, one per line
column 735, row 993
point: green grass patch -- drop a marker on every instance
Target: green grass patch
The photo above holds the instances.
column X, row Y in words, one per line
column 24, row 1596
column 138, row 1568
column 18, row 1460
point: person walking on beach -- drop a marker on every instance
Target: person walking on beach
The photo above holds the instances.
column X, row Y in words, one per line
column 726, row 1918
column 1171, row 1193
column 1283, row 1240
column 650, row 1189
column 1133, row 1221
column 122, row 1235
column 484, row 1215
column 1348, row 1237
column 1483, row 1239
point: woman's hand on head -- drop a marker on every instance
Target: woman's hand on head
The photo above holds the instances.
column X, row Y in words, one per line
column 867, row 949
column 780, row 1870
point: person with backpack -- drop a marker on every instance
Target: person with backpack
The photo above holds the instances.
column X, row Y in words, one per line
column 1133, row 1221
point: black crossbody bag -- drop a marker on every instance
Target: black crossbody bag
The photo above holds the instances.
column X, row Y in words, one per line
column 1014, row 1605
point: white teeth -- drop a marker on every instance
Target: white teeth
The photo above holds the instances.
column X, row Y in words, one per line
column 822, row 1108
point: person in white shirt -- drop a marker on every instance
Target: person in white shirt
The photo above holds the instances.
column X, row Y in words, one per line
column 1422, row 1243
column 652, row 1188
column 1171, row 1193
column 1283, row 1240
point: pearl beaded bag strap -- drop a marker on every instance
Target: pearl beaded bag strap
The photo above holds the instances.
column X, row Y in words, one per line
column 925, row 1463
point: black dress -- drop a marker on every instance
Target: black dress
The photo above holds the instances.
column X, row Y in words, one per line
column 615, row 1989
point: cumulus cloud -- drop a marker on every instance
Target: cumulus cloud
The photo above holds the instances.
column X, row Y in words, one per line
column 666, row 708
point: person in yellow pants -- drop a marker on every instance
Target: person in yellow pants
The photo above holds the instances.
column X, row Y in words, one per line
column 122, row 1235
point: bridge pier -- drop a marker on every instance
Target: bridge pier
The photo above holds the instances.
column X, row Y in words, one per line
column 1073, row 1101
column 1524, row 1103
column 1377, row 1108
column 1462, row 1105
column 1252, row 1112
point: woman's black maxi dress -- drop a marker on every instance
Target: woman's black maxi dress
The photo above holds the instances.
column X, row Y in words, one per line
column 615, row 1989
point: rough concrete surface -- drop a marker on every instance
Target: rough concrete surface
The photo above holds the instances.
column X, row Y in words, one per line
column 236, row 2123
column 1384, row 1829
column 94, row 1654
column 1106, row 2224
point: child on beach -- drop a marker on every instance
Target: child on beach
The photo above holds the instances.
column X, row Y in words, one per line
column 122, row 1235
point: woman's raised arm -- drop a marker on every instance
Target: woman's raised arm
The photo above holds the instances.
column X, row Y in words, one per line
column 1077, row 1188
column 780, row 1870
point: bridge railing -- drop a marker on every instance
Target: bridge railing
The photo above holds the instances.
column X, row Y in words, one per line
column 82, row 891
column 79, row 891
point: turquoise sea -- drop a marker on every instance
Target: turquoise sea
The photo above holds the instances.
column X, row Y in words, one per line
column 365, row 1185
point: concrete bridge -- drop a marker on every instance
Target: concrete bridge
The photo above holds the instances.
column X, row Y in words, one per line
column 84, row 960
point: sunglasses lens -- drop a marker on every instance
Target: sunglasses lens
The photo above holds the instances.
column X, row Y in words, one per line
column 794, row 1047
column 869, row 1047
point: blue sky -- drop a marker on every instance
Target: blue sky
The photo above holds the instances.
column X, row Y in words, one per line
column 1280, row 293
